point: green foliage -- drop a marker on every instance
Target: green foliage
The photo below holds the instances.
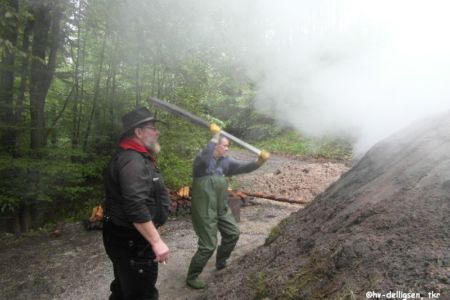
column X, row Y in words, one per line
column 180, row 144
column 8, row 203
column 275, row 232
column 53, row 182
column 176, row 170
column 300, row 279
column 258, row 281
column 291, row 142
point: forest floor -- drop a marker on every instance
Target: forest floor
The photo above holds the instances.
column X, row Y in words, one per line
column 73, row 265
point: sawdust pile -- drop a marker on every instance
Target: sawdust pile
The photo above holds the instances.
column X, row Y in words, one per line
column 291, row 177
column 383, row 227
column 299, row 181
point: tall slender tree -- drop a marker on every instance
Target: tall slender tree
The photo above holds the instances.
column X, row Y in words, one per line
column 46, row 39
column 24, row 74
column 9, row 12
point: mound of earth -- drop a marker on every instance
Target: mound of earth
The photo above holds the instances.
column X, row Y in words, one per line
column 383, row 227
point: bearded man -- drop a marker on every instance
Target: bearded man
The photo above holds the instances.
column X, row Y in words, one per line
column 137, row 203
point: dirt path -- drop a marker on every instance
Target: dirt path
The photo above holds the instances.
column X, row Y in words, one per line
column 73, row 265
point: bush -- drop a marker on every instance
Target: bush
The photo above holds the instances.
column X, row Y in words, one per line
column 180, row 145
column 52, row 185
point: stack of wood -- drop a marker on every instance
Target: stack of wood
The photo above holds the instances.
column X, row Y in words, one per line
column 181, row 201
column 95, row 220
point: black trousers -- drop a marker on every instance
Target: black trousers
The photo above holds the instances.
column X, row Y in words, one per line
column 135, row 272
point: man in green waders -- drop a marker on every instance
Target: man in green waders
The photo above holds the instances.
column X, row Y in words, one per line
column 210, row 210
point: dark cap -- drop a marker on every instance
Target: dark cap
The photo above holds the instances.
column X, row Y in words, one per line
column 136, row 117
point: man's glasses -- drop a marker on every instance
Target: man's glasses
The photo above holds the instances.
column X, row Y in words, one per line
column 150, row 127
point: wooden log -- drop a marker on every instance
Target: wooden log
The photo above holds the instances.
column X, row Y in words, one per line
column 242, row 195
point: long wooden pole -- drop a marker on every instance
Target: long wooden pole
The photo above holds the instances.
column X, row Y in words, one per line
column 178, row 111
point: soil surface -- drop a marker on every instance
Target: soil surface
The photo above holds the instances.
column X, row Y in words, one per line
column 382, row 231
column 73, row 264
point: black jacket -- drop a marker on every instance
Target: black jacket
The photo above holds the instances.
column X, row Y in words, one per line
column 135, row 190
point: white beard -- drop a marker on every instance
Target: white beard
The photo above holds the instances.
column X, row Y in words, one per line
column 156, row 148
column 152, row 146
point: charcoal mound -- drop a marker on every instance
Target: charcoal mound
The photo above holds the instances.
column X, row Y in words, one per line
column 384, row 226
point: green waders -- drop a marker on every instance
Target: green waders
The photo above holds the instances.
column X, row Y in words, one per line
column 210, row 211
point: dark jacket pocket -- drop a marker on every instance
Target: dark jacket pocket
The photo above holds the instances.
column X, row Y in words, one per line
column 162, row 200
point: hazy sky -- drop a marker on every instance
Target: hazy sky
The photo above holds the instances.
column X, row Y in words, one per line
column 356, row 67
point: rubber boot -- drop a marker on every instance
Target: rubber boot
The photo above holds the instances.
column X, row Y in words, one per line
column 220, row 265
column 196, row 283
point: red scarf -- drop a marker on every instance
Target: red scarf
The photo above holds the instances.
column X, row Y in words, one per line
column 127, row 144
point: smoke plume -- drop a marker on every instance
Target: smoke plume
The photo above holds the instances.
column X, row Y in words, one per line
column 356, row 68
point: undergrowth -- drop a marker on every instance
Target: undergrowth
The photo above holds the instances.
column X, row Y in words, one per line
column 258, row 280
column 275, row 232
column 291, row 142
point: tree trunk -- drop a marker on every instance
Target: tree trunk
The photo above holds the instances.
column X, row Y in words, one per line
column 75, row 109
column 81, row 93
column 25, row 219
column 45, row 22
column 51, row 129
column 8, row 129
column 16, row 223
column 109, row 92
column 46, row 31
column 112, row 92
column 39, row 75
column 95, row 98
column 138, row 85
column 24, row 69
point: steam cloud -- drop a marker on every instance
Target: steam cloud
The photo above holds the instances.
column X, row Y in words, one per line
column 351, row 67
column 360, row 68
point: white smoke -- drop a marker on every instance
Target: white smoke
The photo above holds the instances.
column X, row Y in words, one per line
column 359, row 67
column 362, row 68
